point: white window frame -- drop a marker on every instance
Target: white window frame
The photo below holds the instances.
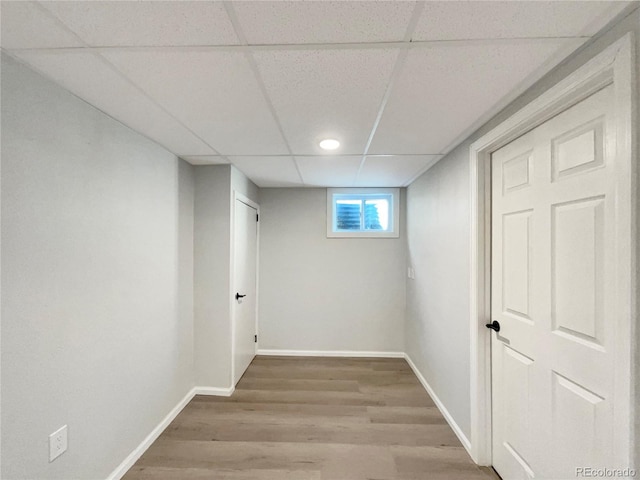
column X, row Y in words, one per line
column 394, row 212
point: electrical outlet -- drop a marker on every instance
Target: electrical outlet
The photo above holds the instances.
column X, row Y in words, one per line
column 57, row 443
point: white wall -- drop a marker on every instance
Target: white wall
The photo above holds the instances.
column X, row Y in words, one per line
column 97, row 328
column 241, row 184
column 214, row 186
column 437, row 327
column 319, row 293
column 211, row 253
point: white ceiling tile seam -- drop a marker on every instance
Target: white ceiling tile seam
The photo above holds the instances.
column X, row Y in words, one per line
column 397, row 68
column 304, row 46
column 254, row 68
column 116, row 70
column 124, row 77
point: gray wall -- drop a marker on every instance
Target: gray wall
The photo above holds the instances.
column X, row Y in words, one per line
column 437, row 325
column 214, row 187
column 326, row 294
column 211, row 253
column 97, row 258
column 241, row 184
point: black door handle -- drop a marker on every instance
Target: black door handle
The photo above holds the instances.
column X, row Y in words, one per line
column 495, row 325
column 238, row 296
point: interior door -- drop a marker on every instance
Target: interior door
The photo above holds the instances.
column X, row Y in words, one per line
column 245, row 248
column 553, row 211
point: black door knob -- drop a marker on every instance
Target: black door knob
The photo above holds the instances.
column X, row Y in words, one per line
column 495, row 325
column 238, row 296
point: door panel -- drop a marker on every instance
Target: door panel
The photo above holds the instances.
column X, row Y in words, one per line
column 577, row 278
column 552, row 283
column 579, row 150
column 515, row 445
column 517, row 371
column 245, row 250
column 576, row 420
column 516, row 262
column 516, row 173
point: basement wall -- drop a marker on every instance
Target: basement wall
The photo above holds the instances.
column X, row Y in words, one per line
column 214, row 187
column 324, row 294
column 97, row 282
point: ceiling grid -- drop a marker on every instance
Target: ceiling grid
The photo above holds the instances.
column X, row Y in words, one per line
column 254, row 67
column 397, row 68
column 259, row 83
column 113, row 68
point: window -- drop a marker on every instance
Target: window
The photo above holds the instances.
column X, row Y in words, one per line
column 363, row 212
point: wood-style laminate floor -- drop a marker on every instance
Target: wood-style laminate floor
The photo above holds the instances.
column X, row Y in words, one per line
column 309, row 418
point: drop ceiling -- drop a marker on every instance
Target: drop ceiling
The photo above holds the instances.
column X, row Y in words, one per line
column 259, row 83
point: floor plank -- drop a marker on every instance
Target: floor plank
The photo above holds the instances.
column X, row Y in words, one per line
column 310, row 418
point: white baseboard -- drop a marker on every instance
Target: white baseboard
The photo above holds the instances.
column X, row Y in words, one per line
column 329, row 353
column 218, row 392
column 133, row 457
column 445, row 413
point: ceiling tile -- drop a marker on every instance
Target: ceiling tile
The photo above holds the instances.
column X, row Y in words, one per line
column 90, row 78
column 109, row 23
column 269, row 171
column 326, row 94
column 329, row 170
column 27, row 25
column 445, row 90
column 215, row 93
column 448, row 20
column 393, row 170
column 295, row 22
column 205, row 159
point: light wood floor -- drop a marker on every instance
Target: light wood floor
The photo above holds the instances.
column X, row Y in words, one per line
column 312, row 419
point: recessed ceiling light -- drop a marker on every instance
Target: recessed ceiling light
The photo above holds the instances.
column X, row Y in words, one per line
column 329, row 144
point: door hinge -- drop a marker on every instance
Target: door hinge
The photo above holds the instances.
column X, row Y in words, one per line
column 257, row 217
column 255, row 338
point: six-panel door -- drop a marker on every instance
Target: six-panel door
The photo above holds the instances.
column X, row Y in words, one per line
column 552, row 287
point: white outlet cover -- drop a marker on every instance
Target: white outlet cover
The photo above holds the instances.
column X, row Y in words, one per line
column 57, row 443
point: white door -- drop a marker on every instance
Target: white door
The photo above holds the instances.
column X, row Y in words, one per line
column 245, row 250
column 553, row 285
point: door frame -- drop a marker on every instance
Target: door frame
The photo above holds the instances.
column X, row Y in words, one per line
column 237, row 196
column 614, row 66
